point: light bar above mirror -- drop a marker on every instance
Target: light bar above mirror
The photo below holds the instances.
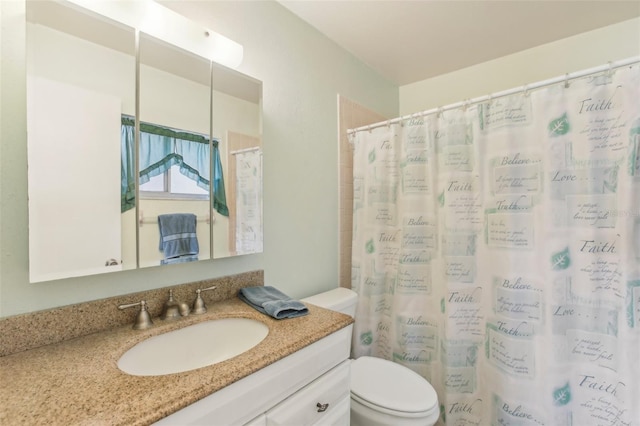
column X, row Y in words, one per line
column 164, row 24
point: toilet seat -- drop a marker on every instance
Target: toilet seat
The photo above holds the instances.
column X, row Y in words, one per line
column 391, row 388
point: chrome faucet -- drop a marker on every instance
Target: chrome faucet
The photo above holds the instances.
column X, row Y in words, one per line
column 143, row 319
column 198, row 305
column 173, row 309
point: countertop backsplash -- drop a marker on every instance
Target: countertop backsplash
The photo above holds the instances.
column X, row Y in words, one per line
column 31, row 330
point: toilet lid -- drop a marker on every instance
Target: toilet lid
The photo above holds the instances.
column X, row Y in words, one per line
column 391, row 386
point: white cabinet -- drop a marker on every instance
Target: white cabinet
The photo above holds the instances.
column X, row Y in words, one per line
column 325, row 401
column 339, row 416
column 284, row 393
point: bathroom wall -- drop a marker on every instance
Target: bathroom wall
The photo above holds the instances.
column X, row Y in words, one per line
column 302, row 72
column 572, row 54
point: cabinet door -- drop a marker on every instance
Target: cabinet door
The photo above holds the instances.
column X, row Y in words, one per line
column 74, row 181
column 317, row 402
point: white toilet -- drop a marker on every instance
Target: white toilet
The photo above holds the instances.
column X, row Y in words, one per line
column 383, row 393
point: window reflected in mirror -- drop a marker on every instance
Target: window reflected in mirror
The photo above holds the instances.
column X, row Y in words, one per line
column 175, row 122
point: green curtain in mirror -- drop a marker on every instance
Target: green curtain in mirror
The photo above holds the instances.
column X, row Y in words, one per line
column 127, row 165
column 219, row 197
column 163, row 147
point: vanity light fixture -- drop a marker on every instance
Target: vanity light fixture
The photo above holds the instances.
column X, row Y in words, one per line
column 163, row 23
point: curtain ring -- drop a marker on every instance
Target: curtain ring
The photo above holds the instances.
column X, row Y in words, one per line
column 369, row 128
column 566, row 81
column 439, row 112
column 525, row 92
column 610, row 72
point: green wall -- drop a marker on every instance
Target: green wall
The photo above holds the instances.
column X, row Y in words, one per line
column 302, row 73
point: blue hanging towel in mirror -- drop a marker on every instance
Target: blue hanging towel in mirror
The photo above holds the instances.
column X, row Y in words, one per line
column 178, row 239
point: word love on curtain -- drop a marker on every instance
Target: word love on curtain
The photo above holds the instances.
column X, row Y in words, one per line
column 496, row 252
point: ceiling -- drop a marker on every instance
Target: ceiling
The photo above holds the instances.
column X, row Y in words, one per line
column 411, row 40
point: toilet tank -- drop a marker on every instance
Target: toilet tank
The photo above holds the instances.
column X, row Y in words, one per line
column 339, row 299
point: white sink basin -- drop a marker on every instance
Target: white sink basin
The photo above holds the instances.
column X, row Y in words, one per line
column 192, row 347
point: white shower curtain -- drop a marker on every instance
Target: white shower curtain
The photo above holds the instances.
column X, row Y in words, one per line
column 249, row 201
column 496, row 252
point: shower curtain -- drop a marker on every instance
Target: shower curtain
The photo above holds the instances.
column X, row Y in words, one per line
column 496, row 252
column 249, row 201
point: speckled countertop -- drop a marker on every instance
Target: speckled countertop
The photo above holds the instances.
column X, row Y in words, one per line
column 77, row 382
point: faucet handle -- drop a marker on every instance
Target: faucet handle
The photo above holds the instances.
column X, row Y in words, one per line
column 198, row 305
column 143, row 320
column 171, row 308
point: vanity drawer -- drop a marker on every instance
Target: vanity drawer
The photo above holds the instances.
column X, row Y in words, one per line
column 340, row 414
column 304, row 407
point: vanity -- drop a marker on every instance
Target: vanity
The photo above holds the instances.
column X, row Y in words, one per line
column 299, row 374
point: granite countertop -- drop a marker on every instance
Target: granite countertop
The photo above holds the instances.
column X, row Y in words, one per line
column 77, row 382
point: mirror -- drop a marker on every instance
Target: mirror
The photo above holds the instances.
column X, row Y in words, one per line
column 81, row 104
column 80, row 79
column 174, row 154
column 237, row 107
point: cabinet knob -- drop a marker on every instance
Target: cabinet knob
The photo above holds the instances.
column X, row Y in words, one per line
column 322, row 407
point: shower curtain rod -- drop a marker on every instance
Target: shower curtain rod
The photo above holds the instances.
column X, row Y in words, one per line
column 240, row 151
column 526, row 88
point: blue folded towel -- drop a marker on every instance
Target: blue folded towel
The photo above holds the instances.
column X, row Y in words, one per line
column 178, row 236
column 271, row 301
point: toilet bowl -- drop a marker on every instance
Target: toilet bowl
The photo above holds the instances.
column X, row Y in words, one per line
column 383, row 393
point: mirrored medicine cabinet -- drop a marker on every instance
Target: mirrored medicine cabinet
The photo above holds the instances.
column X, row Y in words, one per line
column 134, row 142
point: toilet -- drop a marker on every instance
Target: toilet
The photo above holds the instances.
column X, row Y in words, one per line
column 383, row 393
